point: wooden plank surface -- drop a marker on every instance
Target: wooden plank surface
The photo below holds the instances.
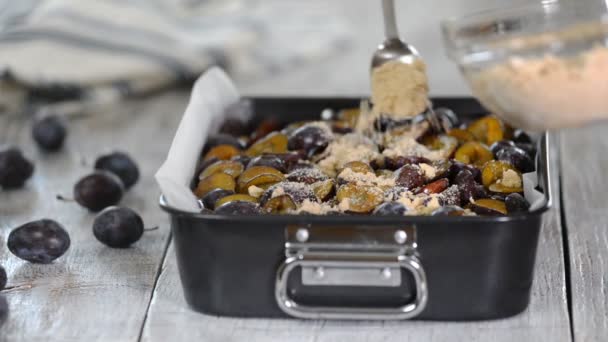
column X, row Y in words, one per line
column 93, row 293
column 585, row 194
column 546, row 319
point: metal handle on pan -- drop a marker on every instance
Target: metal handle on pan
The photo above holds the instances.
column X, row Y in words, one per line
column 345, row 256
column 544, row 165
column 409, row 310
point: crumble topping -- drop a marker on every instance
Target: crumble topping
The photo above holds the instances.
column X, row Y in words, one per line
column 421, row 203
column 255, row 191
column 315, row 208
column 344, row 205
column 400, row 90
column 511, row 179
column 547, row 92
column 429, row 171
column 408, row 146
column 366, row 178
column 347, row 148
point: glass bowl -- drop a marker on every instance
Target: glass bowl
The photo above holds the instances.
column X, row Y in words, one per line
column 540, row 66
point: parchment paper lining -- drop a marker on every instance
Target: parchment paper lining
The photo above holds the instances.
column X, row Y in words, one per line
column 212, row 93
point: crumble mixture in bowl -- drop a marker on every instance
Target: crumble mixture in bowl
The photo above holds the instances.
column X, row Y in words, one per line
column 538, row 67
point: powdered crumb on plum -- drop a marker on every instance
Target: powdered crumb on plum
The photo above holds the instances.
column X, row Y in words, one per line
column 307, row 176
column 299, row 192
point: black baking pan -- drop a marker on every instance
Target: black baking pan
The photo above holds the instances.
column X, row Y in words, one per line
column 359, row 267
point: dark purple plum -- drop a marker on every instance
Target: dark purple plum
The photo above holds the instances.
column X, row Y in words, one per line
column 516, row 157
column 39, row 241
column 118, row 227
column 98, row 190
column 456, row 166
column 49, row 133
column 15, row 169
column 377, row 164
column 280, row 161
column 481, row 192
column 291, row 158
column 234, row 127
column 120, row 164
column 516, row 203
column 307, row 176
column 390, row 208
column 529, row 148
column 236, row 115
column 450, row 196
column 410, row 176
column 238, row 208
column 270, row 160
column 468, row 187
column 501, row 145
column 309, row 138
column 213, row 196
column 520, row 136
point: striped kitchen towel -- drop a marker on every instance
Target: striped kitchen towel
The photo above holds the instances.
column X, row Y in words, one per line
column 74, row 53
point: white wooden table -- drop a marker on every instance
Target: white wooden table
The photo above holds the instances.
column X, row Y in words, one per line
column 97, row 293
column 94, row 293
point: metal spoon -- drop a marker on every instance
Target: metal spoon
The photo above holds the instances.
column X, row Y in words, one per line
column 394, row 49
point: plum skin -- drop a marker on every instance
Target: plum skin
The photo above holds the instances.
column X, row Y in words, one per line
column 39, row 241
column 118, row 227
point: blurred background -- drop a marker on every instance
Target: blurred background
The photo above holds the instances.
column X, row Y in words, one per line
column 102, row 49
